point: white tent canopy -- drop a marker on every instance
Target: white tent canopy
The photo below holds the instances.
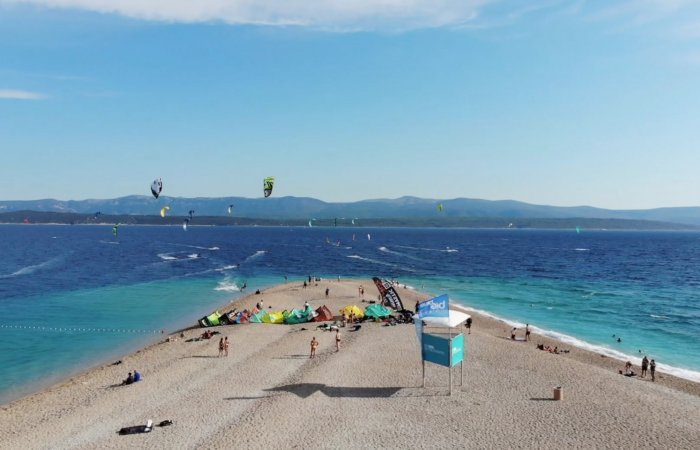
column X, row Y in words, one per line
column 456, row 319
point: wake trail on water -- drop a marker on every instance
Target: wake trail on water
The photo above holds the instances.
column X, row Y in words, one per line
column 227, row 285
column 425, row 249
column 599, row 349
column 255, row 255
column 195, row 246
column 374, row 261
column 28, row 270
column 386, row 250
column 170, row 257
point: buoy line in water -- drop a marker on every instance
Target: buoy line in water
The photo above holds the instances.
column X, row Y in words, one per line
column 76, row 329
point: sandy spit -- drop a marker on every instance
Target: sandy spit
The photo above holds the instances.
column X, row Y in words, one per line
column 268, row 393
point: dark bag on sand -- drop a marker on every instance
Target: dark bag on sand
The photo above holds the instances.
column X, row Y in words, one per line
column 137, row 429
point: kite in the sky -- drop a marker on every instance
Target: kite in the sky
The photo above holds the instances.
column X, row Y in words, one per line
column 311, row 222
column 164, row 210
column 184, row 224
column 156, row 187
column 191, row 213
column 230, row 209
column 268, row 184
column 115, row 229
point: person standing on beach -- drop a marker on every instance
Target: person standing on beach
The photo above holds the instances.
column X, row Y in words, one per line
column 652, row 370
column 527, row 332
column 314, row 346
column 337, row 340
column 221, row 346
column 226, row 346
column 327, row 292
column 468, row 324
column 645, row 364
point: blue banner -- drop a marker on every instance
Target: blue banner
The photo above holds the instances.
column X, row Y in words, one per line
column 436, row 349
column 435, row 307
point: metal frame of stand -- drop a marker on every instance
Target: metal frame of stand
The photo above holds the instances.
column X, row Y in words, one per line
column 461, row 365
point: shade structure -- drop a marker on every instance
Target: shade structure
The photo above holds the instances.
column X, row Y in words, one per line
column 455, row 319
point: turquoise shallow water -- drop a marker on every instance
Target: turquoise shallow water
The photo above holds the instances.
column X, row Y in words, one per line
column 74, row 330
column 72, row 297
column 581, row 315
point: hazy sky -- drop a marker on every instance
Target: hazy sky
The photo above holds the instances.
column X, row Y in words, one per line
column 544, row 101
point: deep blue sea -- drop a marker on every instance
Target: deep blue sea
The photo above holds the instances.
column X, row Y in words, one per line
column 72, row 297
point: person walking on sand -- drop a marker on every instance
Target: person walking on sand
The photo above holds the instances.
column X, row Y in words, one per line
column 337, row 340
column 652, row 370
column 226, row 346
column 645, row 365
column 527, row 332
column 221, row 347
column 314, row 346
column 327, row 292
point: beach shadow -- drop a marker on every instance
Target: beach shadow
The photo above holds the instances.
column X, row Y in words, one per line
column 292, row 357
column 201, row 356
column 248, row 398
column 304, row 390
column 542, row 399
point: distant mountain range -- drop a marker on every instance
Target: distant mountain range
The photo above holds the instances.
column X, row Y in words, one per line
column 454, row 212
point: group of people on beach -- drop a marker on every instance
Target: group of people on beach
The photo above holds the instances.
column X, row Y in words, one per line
column 527, row 333
column 646, row 365
column 315, row 343
column 223, row 346
column 132, row 378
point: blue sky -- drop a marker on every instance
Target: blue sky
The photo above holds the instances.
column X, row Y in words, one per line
column 556, row 102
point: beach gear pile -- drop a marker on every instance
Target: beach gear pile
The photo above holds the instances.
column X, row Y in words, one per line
column 373, row 311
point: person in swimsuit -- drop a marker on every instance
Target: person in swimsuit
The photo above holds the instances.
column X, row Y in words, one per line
column 337, row 340
column 314, row 346
column 226, row 346
column 221, row 346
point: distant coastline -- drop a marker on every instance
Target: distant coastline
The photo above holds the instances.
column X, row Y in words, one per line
column 580, row 224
